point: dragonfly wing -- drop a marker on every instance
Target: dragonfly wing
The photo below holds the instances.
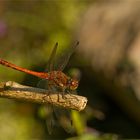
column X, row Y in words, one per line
column 63, row 116
column 50, row 120
column 50, row 65
column 43, row 84
column 50, row 124
column 66, row 58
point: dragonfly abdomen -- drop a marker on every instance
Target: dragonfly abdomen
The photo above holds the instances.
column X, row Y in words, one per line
column 13, row 66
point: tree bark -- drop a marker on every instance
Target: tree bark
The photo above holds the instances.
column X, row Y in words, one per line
column 14, row 90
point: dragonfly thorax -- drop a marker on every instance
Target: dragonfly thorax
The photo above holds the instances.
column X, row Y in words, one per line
column 62, row 81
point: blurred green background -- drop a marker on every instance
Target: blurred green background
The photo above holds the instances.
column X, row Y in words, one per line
column 28, row 32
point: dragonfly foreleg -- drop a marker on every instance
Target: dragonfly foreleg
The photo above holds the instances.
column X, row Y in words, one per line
column 71, row 92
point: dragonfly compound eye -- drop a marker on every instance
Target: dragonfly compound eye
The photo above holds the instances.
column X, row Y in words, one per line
column 73, row 84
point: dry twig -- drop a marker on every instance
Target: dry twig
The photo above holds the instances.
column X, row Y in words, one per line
column 14, row 90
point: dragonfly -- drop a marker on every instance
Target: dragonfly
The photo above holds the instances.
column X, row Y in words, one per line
column 53, row 80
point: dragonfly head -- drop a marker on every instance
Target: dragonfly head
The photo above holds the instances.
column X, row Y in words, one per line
column 73, row 84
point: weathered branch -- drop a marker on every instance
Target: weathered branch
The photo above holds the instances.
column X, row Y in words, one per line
column 14, row 90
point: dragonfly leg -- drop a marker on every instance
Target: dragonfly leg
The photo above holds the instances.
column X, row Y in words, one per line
column 72, row 92
column 64, row 91
column 51, row 87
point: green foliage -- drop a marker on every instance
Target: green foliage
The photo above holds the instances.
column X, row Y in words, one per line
column 78, row 122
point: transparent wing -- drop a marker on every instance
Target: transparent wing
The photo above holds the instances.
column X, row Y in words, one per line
column 50, row 120
column 65, row 59
column 50, row 66
column 63, row 116
column 51, row 60
column 42, row 84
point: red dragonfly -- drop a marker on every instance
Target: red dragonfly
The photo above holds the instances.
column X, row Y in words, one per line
column 53, row 80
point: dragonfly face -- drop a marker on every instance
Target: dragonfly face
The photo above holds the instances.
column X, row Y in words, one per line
column 72, row 84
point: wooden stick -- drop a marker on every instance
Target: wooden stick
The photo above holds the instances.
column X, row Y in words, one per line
column 14, row 90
